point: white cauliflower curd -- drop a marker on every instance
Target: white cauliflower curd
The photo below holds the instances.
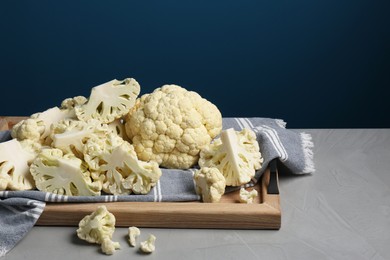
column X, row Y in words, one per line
column 171, row 125
column 210, row 184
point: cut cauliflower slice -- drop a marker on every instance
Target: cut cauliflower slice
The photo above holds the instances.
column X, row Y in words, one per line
column 134, row 232
column 118, row 168
column 118, row 127
column 248, row 196
column 37, row 127
column 210, row 184
column 148, row 246
column 62, row 174
column 236, row 155
column 98, row 228
column 70, row 135
column 171, row 126
column 109, row 101
column 15, row 157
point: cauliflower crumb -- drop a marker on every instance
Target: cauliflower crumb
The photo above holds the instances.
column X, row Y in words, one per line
column 148, row 245
column 134, row 232
column 109, row 247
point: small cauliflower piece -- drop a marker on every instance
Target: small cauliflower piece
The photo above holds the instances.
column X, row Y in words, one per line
column 63, row 174
column 247, row 196
column 71, row 103
column 37, row 127
column 210, row 184
column 171, row 126
column 109, row 247
column 28, row 129
column 116, row 165
column 134, row 232
column 236, row 154
column 148, row 246
column 70, row 135
column 109, row 101
column 98, row 228
column 15, row 157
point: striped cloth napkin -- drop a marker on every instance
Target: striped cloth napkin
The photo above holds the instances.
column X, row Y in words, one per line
column 19, row 210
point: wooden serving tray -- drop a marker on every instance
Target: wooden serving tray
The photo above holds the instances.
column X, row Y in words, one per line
column 265, row 213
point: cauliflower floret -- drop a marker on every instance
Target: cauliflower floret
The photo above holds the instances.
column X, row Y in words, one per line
column 109, row 246
column 62, row 174
column 236, row 155
column 134, row 232
column 98, row 228
column 118, row 168
column 210, row 184
column 71, row 103
column 15, row 157
column 28, row 129
column 171, row 126
column 247, row 196
column 109, row 101
column 37, row 127
column 70, row 135
column 148, row 246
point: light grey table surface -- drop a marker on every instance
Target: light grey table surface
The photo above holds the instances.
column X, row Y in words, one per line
column 342, row 211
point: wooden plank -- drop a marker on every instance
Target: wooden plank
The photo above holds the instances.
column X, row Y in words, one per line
column 7, row 122
column 265, row 213
column 228, row 214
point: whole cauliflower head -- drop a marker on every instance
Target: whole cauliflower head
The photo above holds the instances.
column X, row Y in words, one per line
column 210, row 184
column 117, row 167
column 109, row 101
column 63, row 174
column 236, row 154
column 171, row 125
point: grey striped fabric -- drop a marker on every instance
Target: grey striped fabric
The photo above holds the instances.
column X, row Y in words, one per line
column 19, row 210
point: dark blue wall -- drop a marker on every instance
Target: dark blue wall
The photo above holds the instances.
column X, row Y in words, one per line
column 315, row 64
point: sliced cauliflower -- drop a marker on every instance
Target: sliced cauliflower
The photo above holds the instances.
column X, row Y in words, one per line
column 118, row 127
column 236, row 155
column 118, row 168
column 70, row 135
column 109, row 101
column 171, row 126
column 210, row 184
column 15, row 157
column 134, row 232
column 148, row 246
column 248, row 196
column 63, row 174
column 37, row 127
column 98, row 228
